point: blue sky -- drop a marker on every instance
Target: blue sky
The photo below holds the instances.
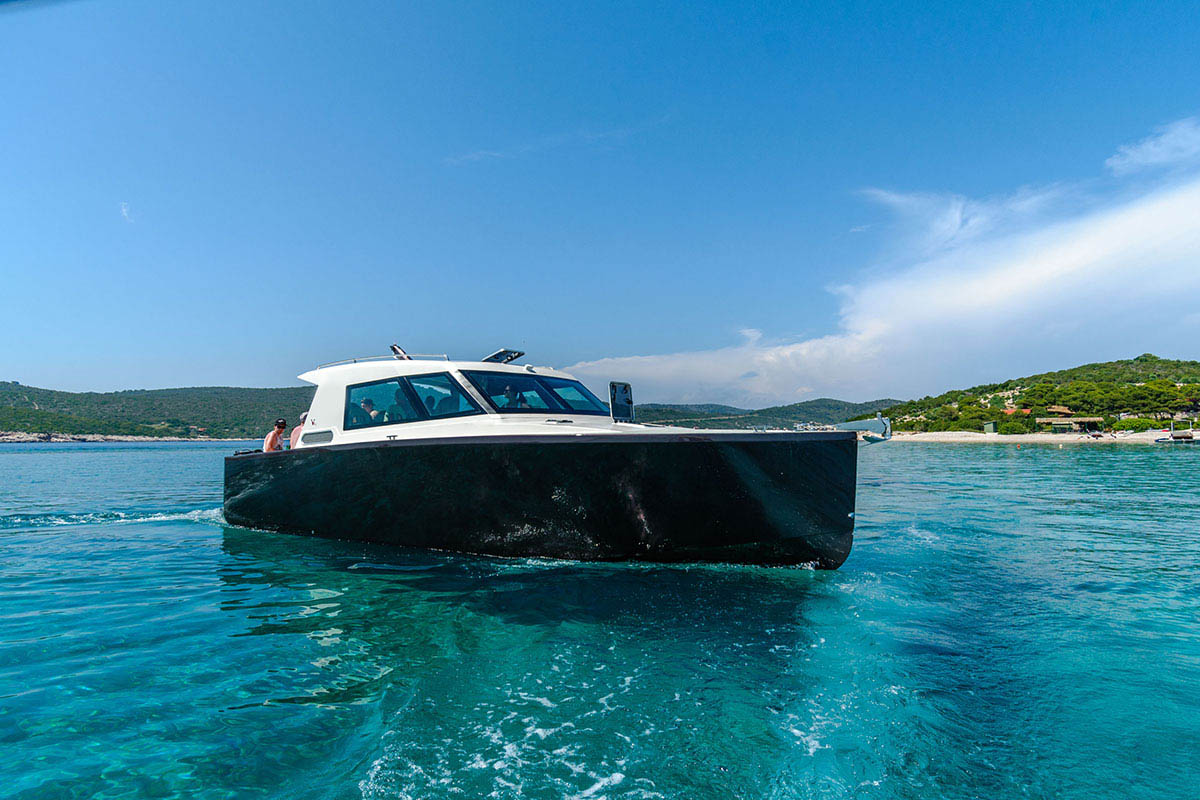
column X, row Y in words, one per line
column 748, row 203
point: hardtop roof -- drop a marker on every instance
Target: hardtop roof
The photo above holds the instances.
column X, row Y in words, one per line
column 381, row 367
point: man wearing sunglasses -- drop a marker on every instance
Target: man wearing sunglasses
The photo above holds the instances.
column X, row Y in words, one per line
column 274, row 440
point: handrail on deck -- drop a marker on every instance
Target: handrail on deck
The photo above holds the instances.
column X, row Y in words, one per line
column 423, row 356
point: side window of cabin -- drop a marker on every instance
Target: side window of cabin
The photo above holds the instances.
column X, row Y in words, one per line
column 406, row 400
column 441, row 396
column 378, row 403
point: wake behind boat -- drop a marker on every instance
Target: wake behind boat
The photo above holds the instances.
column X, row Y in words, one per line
column 495, row 458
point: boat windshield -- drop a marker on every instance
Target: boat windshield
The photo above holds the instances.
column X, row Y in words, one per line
column 510, row 392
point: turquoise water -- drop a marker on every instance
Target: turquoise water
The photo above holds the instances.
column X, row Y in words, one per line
column 1011, row 623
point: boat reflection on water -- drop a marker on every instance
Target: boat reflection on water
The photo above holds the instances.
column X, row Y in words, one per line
column 377, row 586
column 436, row 664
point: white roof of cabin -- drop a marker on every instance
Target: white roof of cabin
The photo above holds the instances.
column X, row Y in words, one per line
column 379, row 368
column 326, row 413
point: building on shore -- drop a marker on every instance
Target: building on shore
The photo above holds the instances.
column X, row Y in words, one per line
column 1070, row 424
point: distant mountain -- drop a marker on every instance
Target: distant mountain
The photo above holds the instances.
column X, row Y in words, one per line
column 229, row 412
column 822, row 410
column 701, row 408
column 1147, row 386
column 216, row 411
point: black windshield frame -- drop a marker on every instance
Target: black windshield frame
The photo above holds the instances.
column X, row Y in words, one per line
column 545, row 390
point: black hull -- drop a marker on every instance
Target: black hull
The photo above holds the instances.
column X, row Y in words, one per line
column 737, row 498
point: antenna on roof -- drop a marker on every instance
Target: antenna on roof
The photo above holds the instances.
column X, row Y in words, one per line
column 398, row 352
column 504, row 355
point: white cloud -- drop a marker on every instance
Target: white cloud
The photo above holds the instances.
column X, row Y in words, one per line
column 1171, row 145
column 930, row 222
column 975, row 290
column 126, row 214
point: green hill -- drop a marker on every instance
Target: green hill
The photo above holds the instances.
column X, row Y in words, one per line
column 1146, row 386
column 228, row 412
column 823, row 410
column 1149, row 387
column 699, row 408
column 216, row 411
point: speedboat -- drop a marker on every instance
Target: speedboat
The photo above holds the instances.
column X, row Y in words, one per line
column 497, row 458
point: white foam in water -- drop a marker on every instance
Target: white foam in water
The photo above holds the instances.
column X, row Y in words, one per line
column 600, row 785
column 206, row 515
column 810, row 740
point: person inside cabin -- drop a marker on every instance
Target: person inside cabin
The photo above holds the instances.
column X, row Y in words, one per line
column 514, row 399
column 429, row 405
column 296, row 431
column 375, row 415
column 399, row 411
column 356, row 417
column 274, row 440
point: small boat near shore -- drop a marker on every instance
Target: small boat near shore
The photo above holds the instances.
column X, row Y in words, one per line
column 495, row 458
column 1177, row 437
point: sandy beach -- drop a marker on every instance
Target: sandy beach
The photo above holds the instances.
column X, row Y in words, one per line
column 963, row 437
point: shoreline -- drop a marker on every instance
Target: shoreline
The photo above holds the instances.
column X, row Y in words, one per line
column 21, row 437
column 942, row 437
column 971, row 437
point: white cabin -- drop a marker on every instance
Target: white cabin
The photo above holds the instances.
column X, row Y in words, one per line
column 384, row 398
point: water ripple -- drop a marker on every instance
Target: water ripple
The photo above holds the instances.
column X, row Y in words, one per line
column 1010, row 624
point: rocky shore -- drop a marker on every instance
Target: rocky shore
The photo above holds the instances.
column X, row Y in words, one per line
column 18, row 437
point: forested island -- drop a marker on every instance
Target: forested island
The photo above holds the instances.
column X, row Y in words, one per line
column 218, row 412
column 1133, row 394
column 822, row 411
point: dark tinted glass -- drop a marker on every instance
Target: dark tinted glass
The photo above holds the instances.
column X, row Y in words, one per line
column 510, row 392
column 412, row 399
column 372, row 403
column 441, row 396
column 575, row 395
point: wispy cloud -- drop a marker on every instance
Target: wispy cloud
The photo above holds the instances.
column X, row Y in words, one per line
column 126, row 214
column 578, row 138
column 1053, row 271
column 1171, row 145
column 929, row 222
column 480, row 155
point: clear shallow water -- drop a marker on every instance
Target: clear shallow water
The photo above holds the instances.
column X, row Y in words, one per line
column 1012, row 623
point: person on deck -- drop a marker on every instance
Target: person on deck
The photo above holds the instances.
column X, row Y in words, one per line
column 274, row 440
column 296, row 431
